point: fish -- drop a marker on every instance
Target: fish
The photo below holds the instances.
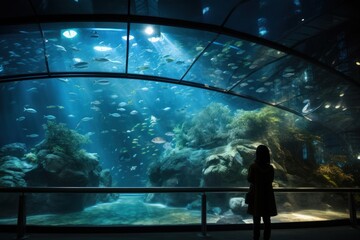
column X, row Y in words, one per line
column 75, row 49
column 19, row 119
column 166, row 108
column 95, row 108
column 84, row 119
column 89, row 134
column 288, row 74
column 134, row 112
column 33, row 89
column 158, row 140
column 81, row 65
column 102, row 82
column 102, row 59
column 115, row 115
column 170, row 134
column 50, row 117
column 122, row 104
column 261, row 90
column 121, row 109
column 60, row 48
column 63, row 80
column 34, row 135
column 143, row 68
column 30, row 110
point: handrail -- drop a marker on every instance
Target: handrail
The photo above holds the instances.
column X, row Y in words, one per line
column 163, row 189
column 21, row 223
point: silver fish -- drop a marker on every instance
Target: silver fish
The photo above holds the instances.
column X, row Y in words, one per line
column 81, row 65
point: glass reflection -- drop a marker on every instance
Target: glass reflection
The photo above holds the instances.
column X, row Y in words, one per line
column 96, row 47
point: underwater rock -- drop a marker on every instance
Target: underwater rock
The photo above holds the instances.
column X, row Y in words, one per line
column 231, row 219
column 195, row 205
column 57, row 161
column 238, row 205
column 12, row 172
column 73, row 178
column 223, row 168
column 178, row 168
column 53, row 163
column 105, row 178
column 13, row 149
column 90, row 161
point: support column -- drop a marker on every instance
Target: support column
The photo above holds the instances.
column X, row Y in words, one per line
column 21, row 221
column 352, row 210
column 203, row 216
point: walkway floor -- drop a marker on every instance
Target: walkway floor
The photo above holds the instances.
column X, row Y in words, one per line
column 328, row 233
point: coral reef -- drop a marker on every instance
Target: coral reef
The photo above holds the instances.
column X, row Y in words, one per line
column 227, row 144
column 208, row 129
column 61, row 140
column 58, row 161
column 255, row 124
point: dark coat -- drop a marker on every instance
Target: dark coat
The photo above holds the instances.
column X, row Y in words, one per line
column 262, row 202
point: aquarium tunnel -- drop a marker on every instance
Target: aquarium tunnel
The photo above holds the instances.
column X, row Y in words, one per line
column 165, row 94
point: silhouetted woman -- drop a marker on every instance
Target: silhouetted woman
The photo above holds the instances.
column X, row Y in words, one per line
column 262, row 203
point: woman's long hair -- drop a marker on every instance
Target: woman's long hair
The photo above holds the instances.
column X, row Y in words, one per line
column 262, row 155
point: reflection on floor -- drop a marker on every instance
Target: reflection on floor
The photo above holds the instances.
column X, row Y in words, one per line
column 131, row 210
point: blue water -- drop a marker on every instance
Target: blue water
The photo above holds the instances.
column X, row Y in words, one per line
column 125, row 115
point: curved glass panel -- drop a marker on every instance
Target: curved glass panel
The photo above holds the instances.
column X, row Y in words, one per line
column 228, row 60
column 212, row 12
column 272, row 19
column 323, row 30
column 164, row 51
column 21, row 50
column 86, row 47
column 286, row 79
column 132, row 133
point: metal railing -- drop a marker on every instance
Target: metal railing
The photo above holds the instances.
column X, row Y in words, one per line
column 21, row 218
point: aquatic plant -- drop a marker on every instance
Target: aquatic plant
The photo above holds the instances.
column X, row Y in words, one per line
column 62, row 140
column 335, row 176
column 255, row 124
column 207, row 129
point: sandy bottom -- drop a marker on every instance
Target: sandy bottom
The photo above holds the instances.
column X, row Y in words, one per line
column 131, row 210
